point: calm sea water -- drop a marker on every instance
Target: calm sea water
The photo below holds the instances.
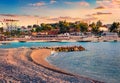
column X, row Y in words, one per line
column 101, row 61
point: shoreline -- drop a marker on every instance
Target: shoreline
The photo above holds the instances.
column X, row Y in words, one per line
column 7, row 42
column 23, row 65
column 39, row 57
column 87, row 39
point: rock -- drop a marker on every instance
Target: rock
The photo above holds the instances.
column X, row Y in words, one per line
column 68, row 48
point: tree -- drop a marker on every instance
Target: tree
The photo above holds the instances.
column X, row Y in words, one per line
column 55, row 26
column 7, row 33
column 95, row 28
column 115, row 27
column 99, row 23
column 46, row 27
column 49, row 27
column 77, row 28
column 92, row 25
column 36, row 28
column 43, row 25
column 64, row 26
column 83, row 27
column 1, row 29
column 29, row 26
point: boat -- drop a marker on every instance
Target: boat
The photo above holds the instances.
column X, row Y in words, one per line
column 5, row 43
column 53, row 40
column 22, row 41
column 68, row 41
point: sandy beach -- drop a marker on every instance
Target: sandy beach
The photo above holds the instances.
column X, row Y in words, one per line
column 23, row 65
column 38, row 56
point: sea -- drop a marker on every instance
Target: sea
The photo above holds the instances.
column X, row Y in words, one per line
column 100, row 60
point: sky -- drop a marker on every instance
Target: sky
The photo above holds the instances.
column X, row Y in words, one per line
column 107, row 11
column 45, row 7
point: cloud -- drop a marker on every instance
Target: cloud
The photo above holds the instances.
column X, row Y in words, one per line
column 52, row 1
column 9, row 15
column 108, row 3
column 38, row 4
column 102, row 13
column 98, row 14
column 62, row 18
column 100, row 7
column 47, row 11
column 116, row 1
column 90, row 19
column 84, row 3
column 81, row 3
column 88, row 15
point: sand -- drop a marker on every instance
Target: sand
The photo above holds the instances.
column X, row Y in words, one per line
column 24, row 65
column 39, row 56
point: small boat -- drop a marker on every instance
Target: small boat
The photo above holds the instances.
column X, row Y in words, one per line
column 84, row 41
column 22, row 41
column 53, row 41
column 5, row 43
column 115, row 40
column 68, row 41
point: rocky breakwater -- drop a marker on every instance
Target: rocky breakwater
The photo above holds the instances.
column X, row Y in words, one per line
column 67, row 48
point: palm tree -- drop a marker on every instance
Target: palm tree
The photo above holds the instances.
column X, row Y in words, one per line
column 95, row 28
column 99, row 23
column 115, row 27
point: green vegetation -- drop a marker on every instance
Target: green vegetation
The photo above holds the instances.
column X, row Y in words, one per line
column 1, row 29
column 63, row 27
column 83, row 27
column 115, row 27
column 95, row 27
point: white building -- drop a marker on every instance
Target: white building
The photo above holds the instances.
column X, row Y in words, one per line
column 11, row 24
column 103, row 28
column 110, row 36
column 3, row 25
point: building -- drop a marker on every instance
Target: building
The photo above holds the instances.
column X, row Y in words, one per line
column 53, row 32
column 3, row 25
column 109, row 36
column 11, row 24
column 108, row 25
column 103, row 28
